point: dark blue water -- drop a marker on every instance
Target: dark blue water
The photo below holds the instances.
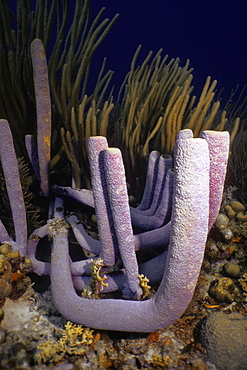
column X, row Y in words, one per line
column 211, row 33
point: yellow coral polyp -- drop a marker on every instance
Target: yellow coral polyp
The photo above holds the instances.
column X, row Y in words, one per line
column 7, row 251
column 96, row 266
column 243, row 282
column 71, row 342
column 144, row 285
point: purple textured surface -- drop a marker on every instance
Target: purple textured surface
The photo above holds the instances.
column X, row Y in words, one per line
column 218, row 144
column 96, row 144
column 43, row 111
column 119, row 203
column 83, row 196
column 86, row 241
column 151, row 177
column 189, row 227
column 32, row 152
column 142, row 221
column 13, row 186
column 164, row 164
column 39, row 267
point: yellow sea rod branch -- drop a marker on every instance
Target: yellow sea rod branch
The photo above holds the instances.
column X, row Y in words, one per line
column 235, row 129
column 43, row 109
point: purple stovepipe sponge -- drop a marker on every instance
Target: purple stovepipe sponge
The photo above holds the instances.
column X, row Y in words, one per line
column 190, row 221
column 218, row 144
column 14, row 191
column 39, row 151
column 160, row 189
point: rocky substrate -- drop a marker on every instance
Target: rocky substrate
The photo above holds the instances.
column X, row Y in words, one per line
column 211, row 335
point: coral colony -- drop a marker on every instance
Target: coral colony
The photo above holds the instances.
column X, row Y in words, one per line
column 179, row 206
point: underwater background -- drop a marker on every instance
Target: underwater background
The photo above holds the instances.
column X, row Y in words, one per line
column 212, row 34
